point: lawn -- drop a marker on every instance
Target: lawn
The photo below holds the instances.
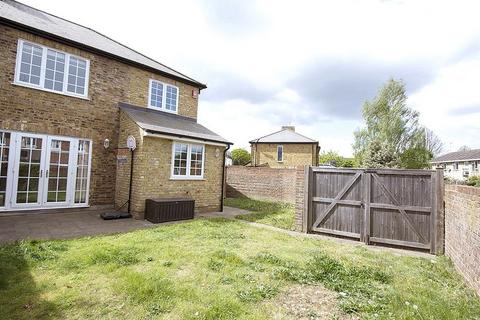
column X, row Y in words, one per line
column 223, row 269
column 277, row 214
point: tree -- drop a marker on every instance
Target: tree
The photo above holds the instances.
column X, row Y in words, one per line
column 432, row 142
column 240, row 156
column 464, row 148
column 392, row 136
column 379, row 155
column 335, row 159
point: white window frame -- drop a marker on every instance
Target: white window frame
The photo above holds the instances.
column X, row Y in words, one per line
column 279, row 147
column 41, row 86
column 164, row 96
column 189, row 159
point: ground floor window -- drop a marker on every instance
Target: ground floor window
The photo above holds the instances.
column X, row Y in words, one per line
column 187, row 161
column 43, row 171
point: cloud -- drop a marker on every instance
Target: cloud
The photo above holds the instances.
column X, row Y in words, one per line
column 466, row 110
column 340, row 88
column 234, row 17
column 224, row 86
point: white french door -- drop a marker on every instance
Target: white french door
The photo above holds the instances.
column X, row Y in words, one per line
column 59, row 171
column 28, row 170
column 42, row 171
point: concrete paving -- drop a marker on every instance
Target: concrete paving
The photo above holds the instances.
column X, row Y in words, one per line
column 63, row 225
column 228, row 213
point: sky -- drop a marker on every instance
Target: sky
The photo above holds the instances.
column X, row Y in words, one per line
column 311, row 64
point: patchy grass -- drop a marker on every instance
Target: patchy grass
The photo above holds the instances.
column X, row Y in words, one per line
column 276, row 214
column 219, row 269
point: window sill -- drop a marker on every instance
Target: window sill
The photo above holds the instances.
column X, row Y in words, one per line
column 162, row 109
column 187, row 178
column 25, row 85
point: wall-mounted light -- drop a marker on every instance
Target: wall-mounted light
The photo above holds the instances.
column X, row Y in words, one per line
column 106, row 143
column 217, row 153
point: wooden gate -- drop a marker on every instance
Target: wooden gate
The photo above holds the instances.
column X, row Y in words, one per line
column 385, row 206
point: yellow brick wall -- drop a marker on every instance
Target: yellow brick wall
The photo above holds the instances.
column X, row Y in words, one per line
column 293, row 155
column 97, row 118
column 152, row 168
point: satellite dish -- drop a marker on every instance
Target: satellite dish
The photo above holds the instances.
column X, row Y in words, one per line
column 131, row 143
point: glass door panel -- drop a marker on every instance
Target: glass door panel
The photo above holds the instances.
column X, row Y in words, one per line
column 29, row 170
column 83, row 163
column 4, row 152
column 58, row 160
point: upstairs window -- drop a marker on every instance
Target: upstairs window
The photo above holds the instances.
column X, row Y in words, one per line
column 55, row 70
column 30, row 63
column 280, row 153
column 188, row 161
column 51, row 70
column 163, row 96
column 77, row 75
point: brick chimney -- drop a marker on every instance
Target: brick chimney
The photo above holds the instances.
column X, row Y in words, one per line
column 292, row 128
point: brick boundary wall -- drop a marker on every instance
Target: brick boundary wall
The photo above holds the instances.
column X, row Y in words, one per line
column 300, row 198
column 263, row 183
column 462, row 231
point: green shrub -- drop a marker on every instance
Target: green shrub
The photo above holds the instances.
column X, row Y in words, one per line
column 240, row 156
column 474, row 181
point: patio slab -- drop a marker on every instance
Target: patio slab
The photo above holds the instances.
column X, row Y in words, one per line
column 63, row 225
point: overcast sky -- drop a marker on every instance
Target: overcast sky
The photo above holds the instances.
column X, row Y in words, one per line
column 311, row 64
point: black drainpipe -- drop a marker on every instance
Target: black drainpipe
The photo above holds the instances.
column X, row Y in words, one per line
column 223, row 177
column 130, row 187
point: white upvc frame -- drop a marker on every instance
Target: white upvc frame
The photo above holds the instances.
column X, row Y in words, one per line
column 14, row 173
column 12, row 178
column 164, row 96
column 43, row 66
column 189, row 158
column 87, row 194
column 72, row 164
column 278, row 148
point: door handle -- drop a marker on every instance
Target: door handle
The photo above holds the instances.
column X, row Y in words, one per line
column 41, row 173
column 46, row 174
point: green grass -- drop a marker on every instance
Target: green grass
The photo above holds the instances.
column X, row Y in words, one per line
column 277, row 214
column 218, row 269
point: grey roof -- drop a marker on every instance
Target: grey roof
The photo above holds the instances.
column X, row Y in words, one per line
column 170, row 124
column 459, row 156
column 23, row 15
column 284, row 136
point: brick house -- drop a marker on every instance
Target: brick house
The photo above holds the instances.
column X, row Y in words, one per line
column 70, row 97
column 284, row 149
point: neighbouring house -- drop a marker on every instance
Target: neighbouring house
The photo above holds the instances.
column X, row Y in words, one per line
column 459, row 165
column 70, row 97
column 284, row 149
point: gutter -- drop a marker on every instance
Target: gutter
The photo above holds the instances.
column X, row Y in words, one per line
column 53, row 37
column 171, row 136
column 453, row 161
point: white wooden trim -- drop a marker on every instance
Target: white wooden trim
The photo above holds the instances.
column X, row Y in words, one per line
column 41, row 86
